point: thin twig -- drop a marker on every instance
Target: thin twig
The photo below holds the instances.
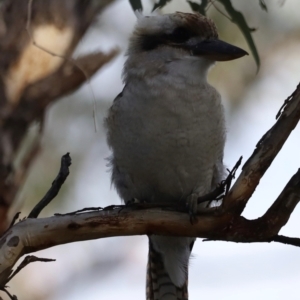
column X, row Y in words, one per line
column 13, row 221
column 16, row 216
column 287, row 240
column 27, row 260
column 56, row 185
column 231, row 175
column 285, row 103
column 86, row 209
column 12, row 297
column 222, row 189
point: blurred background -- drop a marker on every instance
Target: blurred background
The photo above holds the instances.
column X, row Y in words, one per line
column 115, row 268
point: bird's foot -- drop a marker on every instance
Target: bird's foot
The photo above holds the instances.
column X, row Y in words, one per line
column 192, row 206
column 197, row 203
column 134, row 201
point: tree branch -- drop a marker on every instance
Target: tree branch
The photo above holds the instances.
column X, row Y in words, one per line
column 64, row 81
column 262, row 157
column 284, row 204
column 216, row 224
column 31, row 235
column 140, row 219
column 27, row 260
column 287, row 240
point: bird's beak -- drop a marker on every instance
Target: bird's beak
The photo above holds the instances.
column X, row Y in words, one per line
column 217, row 50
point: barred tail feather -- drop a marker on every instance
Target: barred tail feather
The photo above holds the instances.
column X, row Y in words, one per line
column 159, row 284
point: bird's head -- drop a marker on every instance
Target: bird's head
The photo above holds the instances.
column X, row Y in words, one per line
column 181, row 35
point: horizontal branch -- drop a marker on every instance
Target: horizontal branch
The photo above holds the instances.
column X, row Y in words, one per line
column 31, row 235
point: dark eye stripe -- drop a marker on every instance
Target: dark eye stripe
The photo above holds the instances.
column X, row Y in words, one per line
column 150, row 42
column 178, row 36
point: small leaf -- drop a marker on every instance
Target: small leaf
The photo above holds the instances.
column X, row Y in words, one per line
column 238, row 18
column 263, row 5
column 160, row 4
column 136, row 5
column 199, row 7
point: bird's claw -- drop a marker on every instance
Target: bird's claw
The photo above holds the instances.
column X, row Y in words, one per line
column 133, row 201
column 192, row 206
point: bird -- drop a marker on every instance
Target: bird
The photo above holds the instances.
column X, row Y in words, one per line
column 166, row 130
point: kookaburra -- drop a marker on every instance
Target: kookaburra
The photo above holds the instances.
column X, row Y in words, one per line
column 167, row 131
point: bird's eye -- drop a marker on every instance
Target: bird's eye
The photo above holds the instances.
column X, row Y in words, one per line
column 179, row 35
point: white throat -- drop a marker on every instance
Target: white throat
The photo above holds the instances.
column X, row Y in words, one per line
column 168, row 67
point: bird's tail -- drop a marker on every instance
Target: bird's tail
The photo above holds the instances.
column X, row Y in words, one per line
column 159, row 284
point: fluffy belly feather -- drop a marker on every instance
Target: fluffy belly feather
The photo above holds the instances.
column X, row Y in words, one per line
column 162, row 153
